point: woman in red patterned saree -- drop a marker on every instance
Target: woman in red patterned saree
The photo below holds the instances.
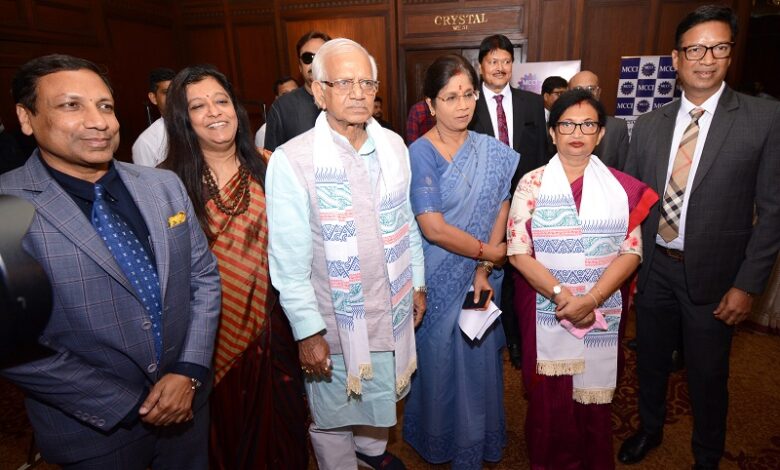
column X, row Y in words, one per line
column 573, row 234
column 258, row 414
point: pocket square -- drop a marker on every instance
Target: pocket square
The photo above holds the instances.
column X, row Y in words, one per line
column 177, row 219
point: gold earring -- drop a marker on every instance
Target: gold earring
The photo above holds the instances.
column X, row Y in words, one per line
column 433, row 113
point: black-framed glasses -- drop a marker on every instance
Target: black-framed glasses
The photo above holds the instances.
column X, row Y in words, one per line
column 568, row 127
column 698, row 51
column 344, row 86
column 469, row 97
column 307, row 57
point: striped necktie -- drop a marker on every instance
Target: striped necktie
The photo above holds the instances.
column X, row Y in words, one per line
column 503, row 129
column 132, row 257
column 674, row 196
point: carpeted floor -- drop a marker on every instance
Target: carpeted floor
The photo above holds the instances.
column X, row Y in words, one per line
column 753, row 441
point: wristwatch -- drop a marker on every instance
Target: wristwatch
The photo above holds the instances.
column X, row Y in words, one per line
column 557, row 289
column 422, row 289
column 487, row 266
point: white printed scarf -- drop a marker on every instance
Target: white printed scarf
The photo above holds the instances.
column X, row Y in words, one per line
column 577, row 249
column 339, row 232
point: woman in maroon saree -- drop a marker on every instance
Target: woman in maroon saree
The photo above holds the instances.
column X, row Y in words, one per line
column 562, row 431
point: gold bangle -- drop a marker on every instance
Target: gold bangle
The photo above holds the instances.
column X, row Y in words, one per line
column 594, row 300
column 487, row 266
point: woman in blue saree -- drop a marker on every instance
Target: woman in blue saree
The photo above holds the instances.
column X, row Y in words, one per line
column 460, row 197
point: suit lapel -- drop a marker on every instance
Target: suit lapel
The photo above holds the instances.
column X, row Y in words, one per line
column 483, row 117
column 144, row 198
column 664, row 143
column 518, row 117
column 716, row 136
column 57, row 207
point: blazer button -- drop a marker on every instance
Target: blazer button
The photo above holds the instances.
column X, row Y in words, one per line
column 101, row 423
column 77, row 414
column 146, row 325
column 93, row 420
column 152, row 368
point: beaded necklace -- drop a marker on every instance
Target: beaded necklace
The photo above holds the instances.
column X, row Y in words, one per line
column 240, row 203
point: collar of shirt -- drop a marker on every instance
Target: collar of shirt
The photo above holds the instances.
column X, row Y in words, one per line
column 492, row 107
column 488, row 93
column 709, row 105
column 83, row 189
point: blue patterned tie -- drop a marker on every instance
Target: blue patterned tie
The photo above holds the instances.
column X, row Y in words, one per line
column 132, row 257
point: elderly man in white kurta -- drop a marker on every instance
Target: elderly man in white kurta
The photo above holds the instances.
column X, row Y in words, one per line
column 346, row 256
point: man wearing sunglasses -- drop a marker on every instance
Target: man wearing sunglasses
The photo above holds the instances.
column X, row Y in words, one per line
column 714, row 158
column 613, row 148
column 295, row 113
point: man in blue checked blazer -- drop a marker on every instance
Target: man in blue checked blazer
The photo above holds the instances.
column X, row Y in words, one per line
column 136, row 289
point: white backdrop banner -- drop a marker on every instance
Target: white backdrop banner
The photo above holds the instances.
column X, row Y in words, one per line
column 530, row 75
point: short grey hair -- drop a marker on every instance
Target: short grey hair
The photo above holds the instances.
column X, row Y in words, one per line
column 336, row 46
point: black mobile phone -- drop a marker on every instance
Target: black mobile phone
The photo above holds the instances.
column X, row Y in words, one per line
column 484, row 298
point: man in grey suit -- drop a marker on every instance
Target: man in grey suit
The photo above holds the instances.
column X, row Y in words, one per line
column 613, row 148
column 713, row 156
column 136, row 289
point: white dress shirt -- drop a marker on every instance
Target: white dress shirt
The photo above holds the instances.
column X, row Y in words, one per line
column 683, row 119
column 260, row 137
column 151, row 147
column 506, row 103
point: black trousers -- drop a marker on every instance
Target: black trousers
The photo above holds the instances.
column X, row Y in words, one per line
column 665, row 313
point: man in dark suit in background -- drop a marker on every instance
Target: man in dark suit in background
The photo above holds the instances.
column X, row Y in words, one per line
column 713, row 156
column 136, row 290
column 552, row 88
column 523, row 111
column 294, row 113
column 613, row 148
column 516, row 118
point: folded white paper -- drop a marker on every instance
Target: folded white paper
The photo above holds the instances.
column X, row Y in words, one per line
column 474, row 323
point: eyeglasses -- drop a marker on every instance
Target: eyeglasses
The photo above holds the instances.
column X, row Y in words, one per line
column 698, row 51
column 307, row 57
column 451, row 100
column 590, row 88
column 587, row 127
column 344, row 86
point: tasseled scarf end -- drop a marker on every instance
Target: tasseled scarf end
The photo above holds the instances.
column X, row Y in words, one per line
column 593, row 396
column 354, row 385
column 561, row 367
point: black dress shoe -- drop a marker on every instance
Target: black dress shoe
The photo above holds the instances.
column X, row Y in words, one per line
column 636, row 447
column 515, row 355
